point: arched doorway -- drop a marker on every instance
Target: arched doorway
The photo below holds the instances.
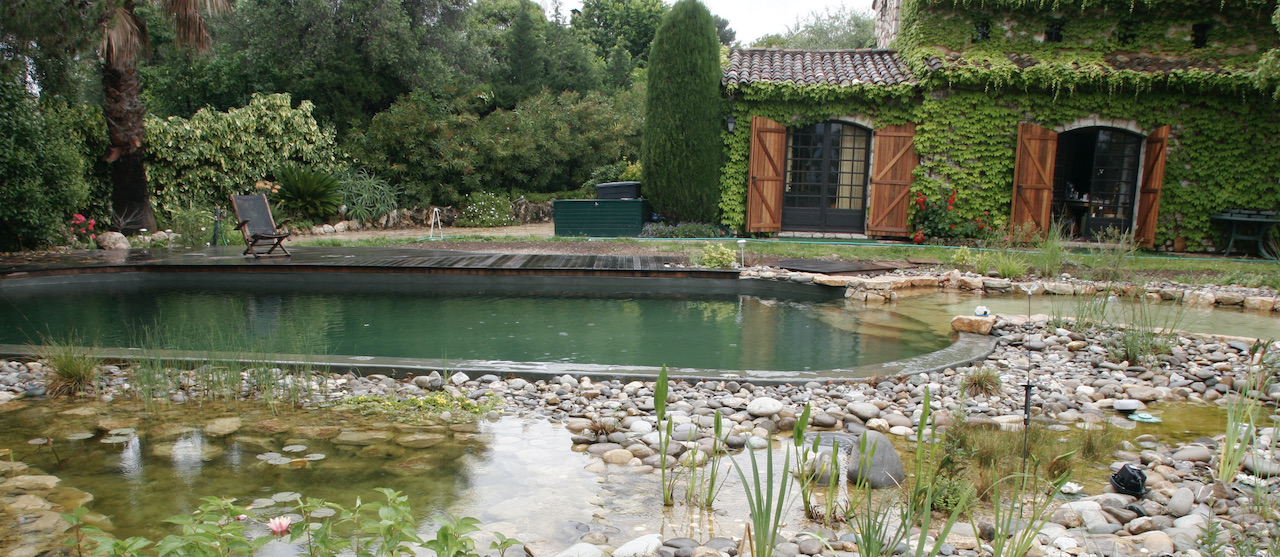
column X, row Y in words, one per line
column 827, row 172
column 1095, row 181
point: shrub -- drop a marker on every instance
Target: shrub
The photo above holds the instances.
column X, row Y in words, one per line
column 307, row 193
column 717, row 256
column 486, row 209
column 192, row 225
column 605, row 173
column 984, row 381
column 367, row 196
column 682, row 148
column 201, row 161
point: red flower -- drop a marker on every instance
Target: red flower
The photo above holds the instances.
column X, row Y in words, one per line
column 986, row 212
column 982, row 226
column 919, row 237
column 950, row 207
column 953, row 227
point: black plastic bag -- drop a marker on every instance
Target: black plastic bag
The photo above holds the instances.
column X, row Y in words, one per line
column 1129, row 481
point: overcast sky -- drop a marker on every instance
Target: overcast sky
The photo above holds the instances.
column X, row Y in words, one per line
column 754, row 18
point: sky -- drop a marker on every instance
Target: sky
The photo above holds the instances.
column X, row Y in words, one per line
column 753, row 19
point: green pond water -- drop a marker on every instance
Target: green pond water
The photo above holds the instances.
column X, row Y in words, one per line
column 705, row 332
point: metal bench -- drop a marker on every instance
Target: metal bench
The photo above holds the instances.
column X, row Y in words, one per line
column 1248, row 225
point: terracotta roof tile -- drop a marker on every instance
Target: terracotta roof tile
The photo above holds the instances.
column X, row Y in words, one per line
column 817, row 67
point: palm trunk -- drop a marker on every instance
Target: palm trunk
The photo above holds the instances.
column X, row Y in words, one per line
column 130, row 198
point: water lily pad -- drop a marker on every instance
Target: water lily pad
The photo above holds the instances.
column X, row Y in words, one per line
column 38, row 441
column 116, row 439
column 314, row 456
column 323, row 512
column 294, row 448
column 295, row 518
column 279, row 461
column 284, row 496
column 122, row 431
column 263, row 502
column 268, row 456
column 79, row 436
column 1145, row 418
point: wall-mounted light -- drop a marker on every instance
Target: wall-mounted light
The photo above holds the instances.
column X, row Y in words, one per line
column 730, row 123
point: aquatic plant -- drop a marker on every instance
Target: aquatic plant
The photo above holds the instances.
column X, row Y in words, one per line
column 1017, row 524
column 453, row 537
column 434, row 406
column 765, row 501
column 806, row 472
column 74, row 367
column 219, row 527
column 706, row 481
column 1243, row 409
column 1051, row 251
column 664, row 429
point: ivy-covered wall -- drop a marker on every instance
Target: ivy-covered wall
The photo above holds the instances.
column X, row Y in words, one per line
column 796, row 106
column 1224, row 147
column 1102, row 42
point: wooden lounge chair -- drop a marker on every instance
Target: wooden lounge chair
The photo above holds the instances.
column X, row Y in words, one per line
column 261, row 235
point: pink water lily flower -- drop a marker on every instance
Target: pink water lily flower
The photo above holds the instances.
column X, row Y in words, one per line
column 279, row 525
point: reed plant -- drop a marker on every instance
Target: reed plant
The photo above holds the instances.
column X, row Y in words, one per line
column 73, row 367
column 766, row 502
column 1019, row 520
column 1243, row 411
column 1112, row 257
column 708, row 480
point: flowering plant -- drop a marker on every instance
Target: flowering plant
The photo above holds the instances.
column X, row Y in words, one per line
column 82, row 231
column 933, row 219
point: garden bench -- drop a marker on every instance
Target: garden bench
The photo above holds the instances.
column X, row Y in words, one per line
column 1248, row 225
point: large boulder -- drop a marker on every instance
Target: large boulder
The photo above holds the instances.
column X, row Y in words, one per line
column 112, row 240
column 881, row 468
column 972, row 324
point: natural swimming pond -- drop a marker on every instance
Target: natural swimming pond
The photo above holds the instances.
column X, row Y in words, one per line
column 682, row 329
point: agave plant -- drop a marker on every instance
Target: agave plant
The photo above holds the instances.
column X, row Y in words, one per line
column 307, row 193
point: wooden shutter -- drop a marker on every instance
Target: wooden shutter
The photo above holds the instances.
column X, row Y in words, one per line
column 894, row 160
column 767, row 171
column 1149, row 190
column 1033, row 176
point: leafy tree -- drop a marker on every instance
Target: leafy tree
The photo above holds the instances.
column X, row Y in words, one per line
column 682, row 147
column 725, row 33
column 833, row 29
column 604, row 22
column 43, row 41
column 438, row 149
column 533, row 53
column 41, row 171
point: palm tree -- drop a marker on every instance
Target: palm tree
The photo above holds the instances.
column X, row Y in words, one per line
column 124, row 37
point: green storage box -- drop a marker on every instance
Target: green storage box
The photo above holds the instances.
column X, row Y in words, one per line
column 601, row 217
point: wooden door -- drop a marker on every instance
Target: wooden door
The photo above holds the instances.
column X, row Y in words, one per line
column 767, row 175
column 893, row 163
column 1033, row 176
column 1149, row 190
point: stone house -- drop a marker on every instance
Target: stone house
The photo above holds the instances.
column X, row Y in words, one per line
column 1103, row 116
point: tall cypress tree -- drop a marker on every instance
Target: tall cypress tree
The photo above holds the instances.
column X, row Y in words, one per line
column 682, row 150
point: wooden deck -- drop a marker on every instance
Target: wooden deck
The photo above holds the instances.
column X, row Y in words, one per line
column 373, row 260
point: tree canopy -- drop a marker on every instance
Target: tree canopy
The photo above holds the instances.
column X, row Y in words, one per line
column 832, row 29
